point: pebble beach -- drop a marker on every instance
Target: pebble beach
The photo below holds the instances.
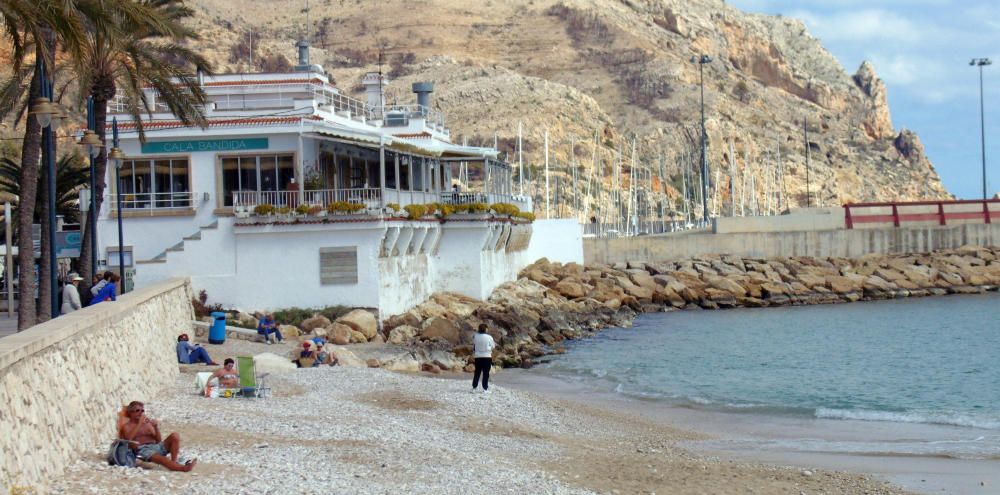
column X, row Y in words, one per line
column 372, row 431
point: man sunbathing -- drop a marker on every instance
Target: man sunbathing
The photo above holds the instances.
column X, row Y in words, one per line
column 144, row 437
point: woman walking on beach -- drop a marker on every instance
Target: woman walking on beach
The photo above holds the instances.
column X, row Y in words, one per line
column 483, row 356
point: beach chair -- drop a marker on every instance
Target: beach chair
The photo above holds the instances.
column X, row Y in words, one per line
column 251, row 384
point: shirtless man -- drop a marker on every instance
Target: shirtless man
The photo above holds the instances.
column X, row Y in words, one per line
column 144, row 436
column 227, row 375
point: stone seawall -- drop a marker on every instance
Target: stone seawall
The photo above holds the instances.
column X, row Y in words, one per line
column 553, row 302
column 62, row 382
column 839, row 243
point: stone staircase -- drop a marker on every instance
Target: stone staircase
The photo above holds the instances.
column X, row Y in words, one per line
column 179, row 247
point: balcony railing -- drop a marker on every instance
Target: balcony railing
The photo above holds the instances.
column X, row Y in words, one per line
column 941, row 212
column 463, row 198
column 153, row 201
column 245, row 201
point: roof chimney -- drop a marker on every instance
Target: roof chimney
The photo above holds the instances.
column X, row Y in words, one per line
column 375, row 84
column 423, row 91
column 304, row 65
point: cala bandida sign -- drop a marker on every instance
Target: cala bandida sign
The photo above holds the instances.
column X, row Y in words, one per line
column 204, row 145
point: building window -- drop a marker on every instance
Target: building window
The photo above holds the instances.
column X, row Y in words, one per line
column 160, row 183
column 262, row 178
column 338, row 265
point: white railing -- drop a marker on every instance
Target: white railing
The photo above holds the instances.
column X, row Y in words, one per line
column 461, row 198
column 248, row 200
column 407, row 112
column 120, row 104
column 153, row 201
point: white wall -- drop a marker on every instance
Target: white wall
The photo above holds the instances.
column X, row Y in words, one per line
column 557, row 239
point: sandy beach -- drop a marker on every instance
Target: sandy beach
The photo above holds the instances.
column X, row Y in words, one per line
column 360, row 430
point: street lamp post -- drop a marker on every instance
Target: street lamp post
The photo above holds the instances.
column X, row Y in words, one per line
column 982, row 62
column 116, row 157
column 92, row 143
column 49, row 117
column 701, row 61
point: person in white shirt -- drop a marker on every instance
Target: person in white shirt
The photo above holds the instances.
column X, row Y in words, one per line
column 70, row 295
column 483, row 357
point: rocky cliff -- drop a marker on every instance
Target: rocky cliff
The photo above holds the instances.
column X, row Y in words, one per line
column 614, row 70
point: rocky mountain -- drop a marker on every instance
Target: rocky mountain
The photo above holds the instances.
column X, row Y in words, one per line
column 606, row 72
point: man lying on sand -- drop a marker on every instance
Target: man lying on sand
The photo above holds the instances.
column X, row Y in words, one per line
column 144, row 437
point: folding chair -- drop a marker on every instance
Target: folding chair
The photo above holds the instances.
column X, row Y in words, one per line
column 251, row 384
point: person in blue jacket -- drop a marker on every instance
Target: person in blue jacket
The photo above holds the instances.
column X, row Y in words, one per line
column 108, row 292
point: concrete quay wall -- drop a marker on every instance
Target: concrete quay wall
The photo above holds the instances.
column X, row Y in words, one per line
column 840, row 243
column 62, row 382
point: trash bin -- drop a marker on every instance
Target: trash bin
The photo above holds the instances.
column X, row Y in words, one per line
column 217, row 334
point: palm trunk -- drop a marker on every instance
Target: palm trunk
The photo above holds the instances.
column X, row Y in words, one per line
column 101, row 162
column 44, row 268
column 83, row 263
column 30, row 150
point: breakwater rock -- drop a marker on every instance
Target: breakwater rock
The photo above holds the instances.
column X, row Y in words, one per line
column 552, row 302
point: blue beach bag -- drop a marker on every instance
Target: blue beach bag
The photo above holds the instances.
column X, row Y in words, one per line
column 120, row 454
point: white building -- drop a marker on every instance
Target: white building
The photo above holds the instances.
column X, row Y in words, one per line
column 191, row 199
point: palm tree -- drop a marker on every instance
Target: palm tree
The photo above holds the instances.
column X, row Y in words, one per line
column 141, row 52
column 71, row 176
column 25, row 23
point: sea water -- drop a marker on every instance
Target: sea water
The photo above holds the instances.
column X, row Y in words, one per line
column 922, row 374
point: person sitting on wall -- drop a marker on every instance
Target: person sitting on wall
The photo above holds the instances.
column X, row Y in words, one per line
column 143, row 435
column 190, row 354
column 228, row 376
column 307, row 356
column 109, row 292
column 323, row 356
column 268, row 327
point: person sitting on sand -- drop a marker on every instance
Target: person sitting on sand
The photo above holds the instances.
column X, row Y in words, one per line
column 228, row 376
column 323, row 356
column 190, row 354
column 307, row 356
column 143, row 435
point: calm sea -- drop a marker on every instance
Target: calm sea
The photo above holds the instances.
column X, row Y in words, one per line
column 923, row 361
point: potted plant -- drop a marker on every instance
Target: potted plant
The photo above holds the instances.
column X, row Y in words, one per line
column 316, row 211
column 302, row 210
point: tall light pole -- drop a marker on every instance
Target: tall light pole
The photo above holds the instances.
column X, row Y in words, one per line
column 701, row 61
column 982, row 62
column 116, row 157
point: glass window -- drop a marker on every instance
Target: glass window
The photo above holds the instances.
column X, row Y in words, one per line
column 157, row 183
column 250, row 175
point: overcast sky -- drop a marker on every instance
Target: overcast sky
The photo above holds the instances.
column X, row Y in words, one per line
column 921, row 49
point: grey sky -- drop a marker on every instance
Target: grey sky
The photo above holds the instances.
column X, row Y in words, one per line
column 921, row 49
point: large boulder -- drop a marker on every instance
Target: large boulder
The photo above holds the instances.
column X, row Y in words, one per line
column 361, row 321
column 272, row 363
column 403, row 335
column 347, row 358
column 569, row 289
column 358, row 337
column 339, row 334
column 289, row 331
column 727, row 285
column 318, row 321
column 441, row 328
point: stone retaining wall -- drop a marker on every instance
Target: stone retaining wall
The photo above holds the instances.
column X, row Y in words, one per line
column 840, row 243
column 62, row 382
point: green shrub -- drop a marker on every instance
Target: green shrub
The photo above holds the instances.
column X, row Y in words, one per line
column 430, row 208
column 314, row 210
column 505, row 209
column 478, row 207
column 264, row 209
column 295, row 316
column 284, row 210
column 526, row 215
column 415, row 211
column 345, row 207
column 393, row 206
column 462, row 208
column 302, row 209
